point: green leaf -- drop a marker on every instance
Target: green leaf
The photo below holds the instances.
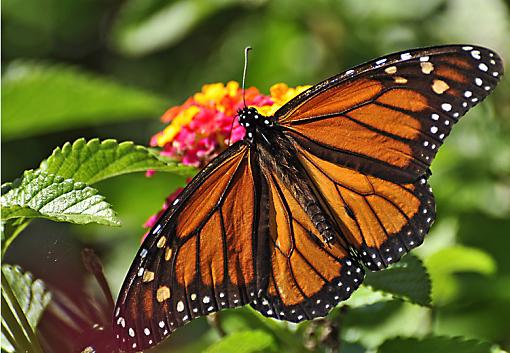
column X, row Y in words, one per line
column 141, row 28
column 366, row 295
column 443, row 264
column 11, row 229
column 31, row 293
column 437, row 344
column 39, row 98
column 407, row 279
column 23, row 302
column 41, row 195
column 244, row 342
column 96, row 160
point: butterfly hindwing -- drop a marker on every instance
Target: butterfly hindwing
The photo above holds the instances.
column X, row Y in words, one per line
column 381, row 220
column 307, row 277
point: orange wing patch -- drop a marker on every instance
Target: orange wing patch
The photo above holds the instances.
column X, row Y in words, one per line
column 211, row 252
column 389, row 117
column 404, row 99
column 394, row 152
column 211, row 189
column 374, row 214
column 386, row 117
column 304, row 271
column 335, row 100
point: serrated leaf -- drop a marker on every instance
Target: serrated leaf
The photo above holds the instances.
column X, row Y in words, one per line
column 366, row 295
column 443, row 264
column 31, row 293
column 41, row 195
column 256, row 341
column 97, row 160
column 407, row 279
column 23, row 302
column 39, row 98
column 437, row 344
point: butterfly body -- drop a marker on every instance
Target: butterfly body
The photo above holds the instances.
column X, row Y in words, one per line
column 287, row 218
column 278, row 156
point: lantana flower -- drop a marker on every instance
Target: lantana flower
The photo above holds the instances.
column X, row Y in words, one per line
column 198, row 130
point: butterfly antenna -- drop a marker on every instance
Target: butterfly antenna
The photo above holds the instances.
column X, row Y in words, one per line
column 246, row 50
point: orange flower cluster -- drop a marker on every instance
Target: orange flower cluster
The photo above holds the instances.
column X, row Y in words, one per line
column 199, row 129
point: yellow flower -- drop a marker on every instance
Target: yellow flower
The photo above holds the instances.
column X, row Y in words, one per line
column 177, row 123
column 215, row 92
column 281, row 94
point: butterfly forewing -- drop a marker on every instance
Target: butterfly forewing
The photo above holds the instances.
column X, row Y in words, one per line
column 199, row 258
column 388, row 118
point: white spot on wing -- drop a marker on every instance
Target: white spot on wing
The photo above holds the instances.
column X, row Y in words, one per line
column 406, row 56
column 156, row 230
column 446, row 107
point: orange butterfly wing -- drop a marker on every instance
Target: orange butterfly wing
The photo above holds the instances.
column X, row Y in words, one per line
column 381, row 219
column 202, row 256
column 367, row 138
column 307, row 278
column 388, row 118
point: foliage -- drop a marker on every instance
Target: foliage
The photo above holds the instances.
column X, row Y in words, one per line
column 23, row 303
column 407, row 279
column 90, row 73
column 30, row 89
column 244, row 342
column 41, row 195
column 93, row 161
column 435, row 344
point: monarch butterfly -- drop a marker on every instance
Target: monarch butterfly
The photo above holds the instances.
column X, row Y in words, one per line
column 287, row 219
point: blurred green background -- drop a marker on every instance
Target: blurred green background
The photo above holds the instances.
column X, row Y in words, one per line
column 110, row 68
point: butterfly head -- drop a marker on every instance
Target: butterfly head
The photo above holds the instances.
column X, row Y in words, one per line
column 250, row 119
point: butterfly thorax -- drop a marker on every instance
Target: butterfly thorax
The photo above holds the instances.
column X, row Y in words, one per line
column 253, row 122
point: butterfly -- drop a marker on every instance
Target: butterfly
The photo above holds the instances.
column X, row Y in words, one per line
column 288, row 218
